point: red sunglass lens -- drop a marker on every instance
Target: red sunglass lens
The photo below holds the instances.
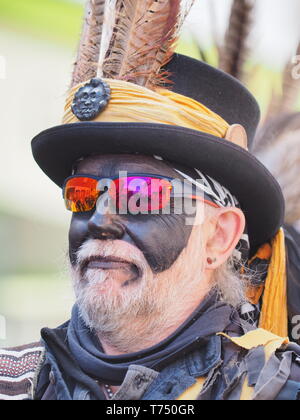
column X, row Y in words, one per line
column 81, row 194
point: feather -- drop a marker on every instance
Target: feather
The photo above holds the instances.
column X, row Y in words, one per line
column 85, row 66
column 234, row 52
column 142, row 40
column 278, row 148
column 108, row 28
column 177, row 12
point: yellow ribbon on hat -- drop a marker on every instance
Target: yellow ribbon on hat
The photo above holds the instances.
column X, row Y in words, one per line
column 133, row 103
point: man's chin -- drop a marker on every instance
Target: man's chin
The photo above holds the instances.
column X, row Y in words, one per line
column 106, row 303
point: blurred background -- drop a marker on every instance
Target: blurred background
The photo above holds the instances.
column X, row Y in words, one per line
column 255, row 41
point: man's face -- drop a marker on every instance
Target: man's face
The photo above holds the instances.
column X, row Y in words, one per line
column 130, row 269
column 160, row 238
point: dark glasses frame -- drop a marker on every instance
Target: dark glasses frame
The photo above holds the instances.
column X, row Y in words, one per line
column 98, row 178
column 204, row 197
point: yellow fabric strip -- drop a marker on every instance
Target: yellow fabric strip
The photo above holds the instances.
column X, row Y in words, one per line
column 258, row 337
column 133, row 103
column 252, row 339
column 274, row 312
column 193, row 391
column 247, row 391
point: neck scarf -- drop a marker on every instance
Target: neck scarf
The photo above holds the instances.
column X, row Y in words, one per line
column 211, row 317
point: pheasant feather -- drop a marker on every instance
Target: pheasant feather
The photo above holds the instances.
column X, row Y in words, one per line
column 234, row 52
column 140, row 39
column 86, row 63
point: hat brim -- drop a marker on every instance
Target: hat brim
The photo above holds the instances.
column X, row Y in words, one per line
column 56, row 149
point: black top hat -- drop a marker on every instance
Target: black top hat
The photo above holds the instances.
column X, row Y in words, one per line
column 208, row 94
column 259, row 194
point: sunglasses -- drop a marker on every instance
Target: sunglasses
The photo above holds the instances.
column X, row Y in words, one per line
column 134, row 193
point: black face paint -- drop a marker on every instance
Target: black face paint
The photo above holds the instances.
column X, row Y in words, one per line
column 161, row 238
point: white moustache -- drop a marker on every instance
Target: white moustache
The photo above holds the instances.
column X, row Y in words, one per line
column 117, row 249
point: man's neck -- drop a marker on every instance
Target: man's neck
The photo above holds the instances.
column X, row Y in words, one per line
column 138, row 345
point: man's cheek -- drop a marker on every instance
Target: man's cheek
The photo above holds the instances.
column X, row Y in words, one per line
column 161, row 238
column 78, row 233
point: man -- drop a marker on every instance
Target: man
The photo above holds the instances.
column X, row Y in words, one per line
column 164, row 196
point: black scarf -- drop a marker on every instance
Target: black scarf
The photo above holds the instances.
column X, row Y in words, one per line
column 211, row 317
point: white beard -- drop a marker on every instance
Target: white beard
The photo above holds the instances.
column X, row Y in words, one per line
column 148, row 310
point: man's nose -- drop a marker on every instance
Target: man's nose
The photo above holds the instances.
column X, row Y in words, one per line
column 105, row 226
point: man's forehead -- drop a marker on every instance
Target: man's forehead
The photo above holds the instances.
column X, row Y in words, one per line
column 110, row 165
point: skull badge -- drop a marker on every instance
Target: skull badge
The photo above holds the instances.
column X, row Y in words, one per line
column 91, row 99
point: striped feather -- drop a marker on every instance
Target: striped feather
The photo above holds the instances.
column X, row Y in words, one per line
column 86, row 63
column 234, row 52
column 142, row 40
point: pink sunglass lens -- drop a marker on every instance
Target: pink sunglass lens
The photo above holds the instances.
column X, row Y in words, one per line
column 144, row 194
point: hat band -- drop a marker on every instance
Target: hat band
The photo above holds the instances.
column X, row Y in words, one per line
column 133, row 103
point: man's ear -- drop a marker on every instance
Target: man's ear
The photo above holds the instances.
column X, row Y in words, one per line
column 237, row 134
column 227, row 228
